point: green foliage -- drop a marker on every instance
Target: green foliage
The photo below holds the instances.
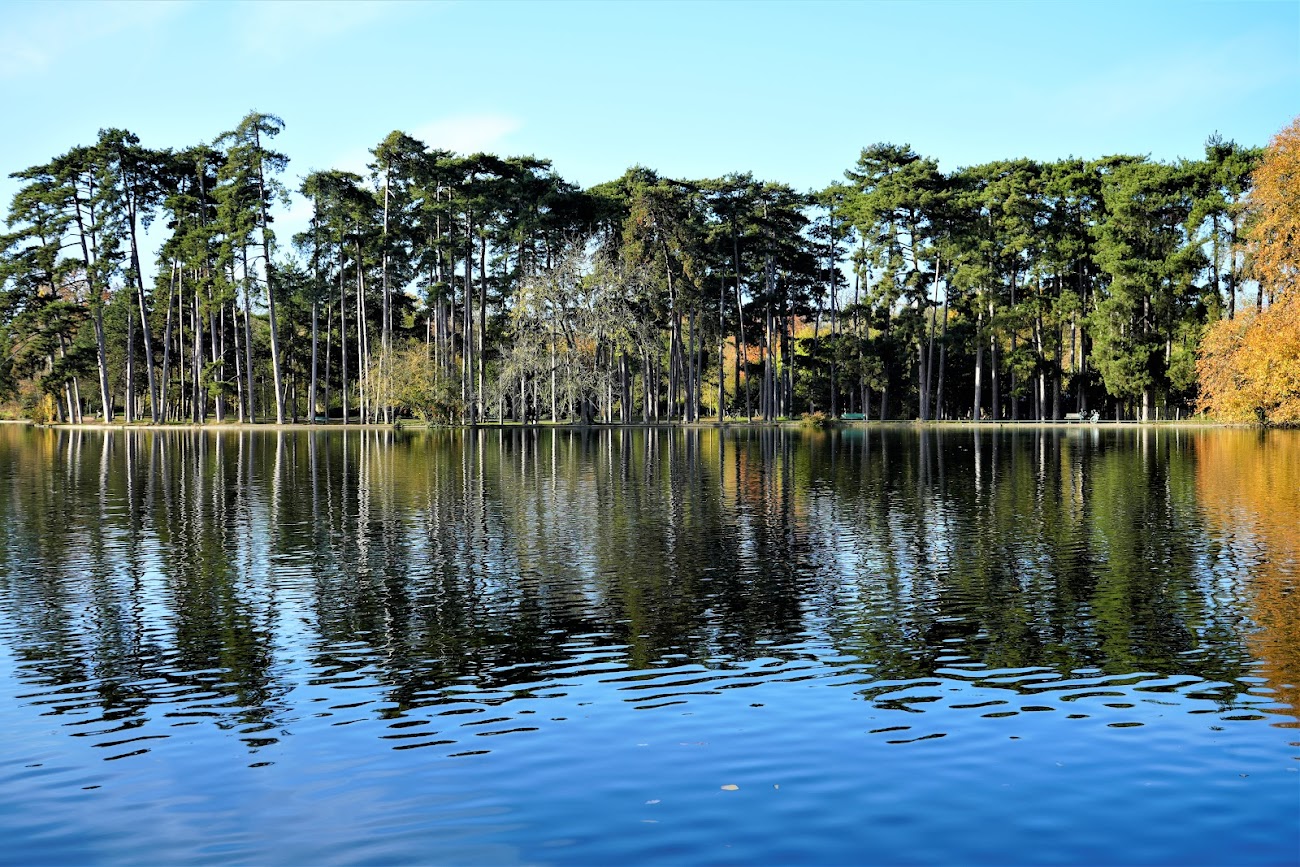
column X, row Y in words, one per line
column 1009, row 289
column 816, row 420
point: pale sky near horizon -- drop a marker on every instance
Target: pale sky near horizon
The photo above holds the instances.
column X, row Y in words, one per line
column 788, row 91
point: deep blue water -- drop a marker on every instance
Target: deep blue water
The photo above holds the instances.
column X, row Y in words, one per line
column 874, row 646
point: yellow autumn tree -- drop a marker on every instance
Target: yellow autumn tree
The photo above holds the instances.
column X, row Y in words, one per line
column 1275, row 212
column 1249, row 367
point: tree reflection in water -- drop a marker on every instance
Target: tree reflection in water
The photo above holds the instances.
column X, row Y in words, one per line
column 249, row 579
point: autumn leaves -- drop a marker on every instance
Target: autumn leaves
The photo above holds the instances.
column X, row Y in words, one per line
column 1249, row 367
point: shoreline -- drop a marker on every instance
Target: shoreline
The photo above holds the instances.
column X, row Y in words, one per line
column 407, row 426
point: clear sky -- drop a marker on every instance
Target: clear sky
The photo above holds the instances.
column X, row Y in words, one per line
column 789, row 91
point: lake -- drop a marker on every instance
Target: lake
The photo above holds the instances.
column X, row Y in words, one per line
column 877, row 645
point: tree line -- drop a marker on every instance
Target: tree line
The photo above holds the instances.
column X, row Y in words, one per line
column 478, row 288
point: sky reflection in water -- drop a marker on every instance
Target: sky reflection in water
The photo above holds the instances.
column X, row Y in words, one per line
column 898, row 646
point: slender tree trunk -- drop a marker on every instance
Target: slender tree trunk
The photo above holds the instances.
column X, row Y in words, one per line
column 979, row 367
column 386, row 325
column 467, row 326
column 995, row 405
column 768, row 368
column 217, row 317
column 722, row 337
column 1056, row 377
column 482, row 323
column 198, row 405
column 167, row 335
column 363, row 356
column 693, row 373
column 277, row 365
column 343, row 335
column 315, row 359
column 128, row 399
column 251, row 403
column 242, row 387
column 145, row 334
column 742, row 346
column 1015, row 400
column 939, row 409
column 929, row 352
column 101, row 356
column 329, row 355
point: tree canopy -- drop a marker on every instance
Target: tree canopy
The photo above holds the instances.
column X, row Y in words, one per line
column 1250, row 367
column 466, row 288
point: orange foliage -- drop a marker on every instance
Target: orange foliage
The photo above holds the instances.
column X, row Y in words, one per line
column 1249, row 485
column 1275, row 208
column 1249, row 368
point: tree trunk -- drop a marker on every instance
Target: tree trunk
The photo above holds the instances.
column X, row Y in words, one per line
column 741, row 345
column 979, row 368
column 939, row 408
column 167, row 336
column 145, row 334
column 343, row 335
column 482, row 323
column 128, row 399
column 276, row 363
column 241, row 387
column 251, row 403
column 315, row 360
column 386, row 330
column 101, row 355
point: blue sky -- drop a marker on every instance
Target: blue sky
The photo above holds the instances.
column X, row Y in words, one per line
column 791, row 92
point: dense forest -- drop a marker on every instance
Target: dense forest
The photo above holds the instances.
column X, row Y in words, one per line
column 476, row 288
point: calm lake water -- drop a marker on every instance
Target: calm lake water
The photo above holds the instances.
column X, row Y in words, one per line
column 872, row 646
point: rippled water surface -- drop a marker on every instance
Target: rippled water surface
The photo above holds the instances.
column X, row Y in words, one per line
column 870, row 646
